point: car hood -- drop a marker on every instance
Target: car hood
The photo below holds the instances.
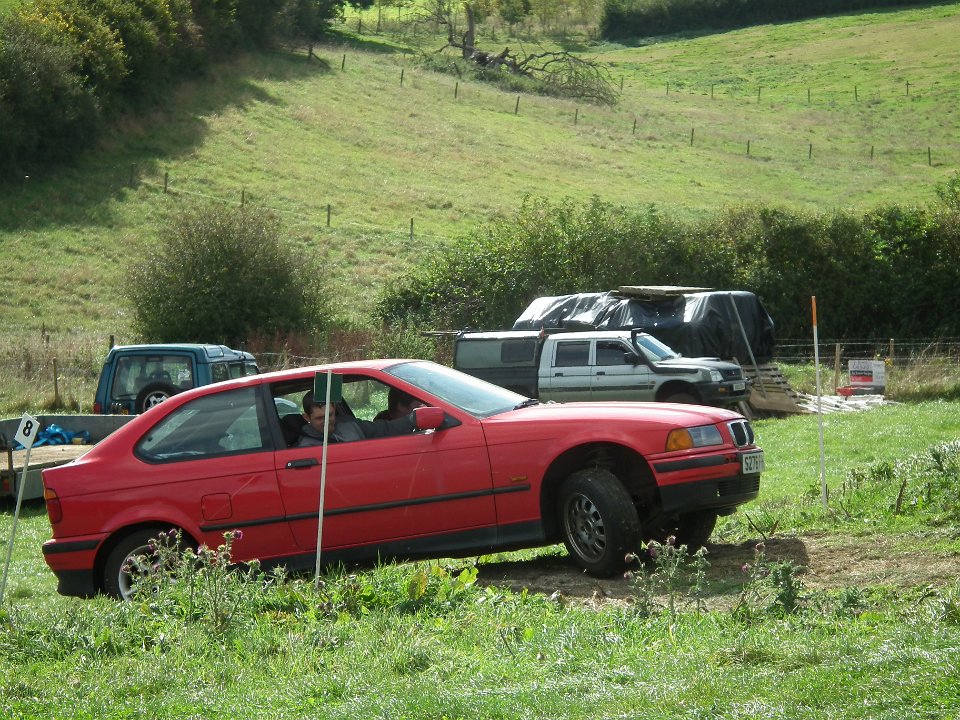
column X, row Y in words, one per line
column 683, row 363
column 613, row 414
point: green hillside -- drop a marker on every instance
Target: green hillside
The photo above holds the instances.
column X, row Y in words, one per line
column 841, row 112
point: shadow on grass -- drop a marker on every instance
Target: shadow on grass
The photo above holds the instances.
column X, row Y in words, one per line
column 136, row 145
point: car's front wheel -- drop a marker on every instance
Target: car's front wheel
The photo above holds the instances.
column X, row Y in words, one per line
column 599, row 520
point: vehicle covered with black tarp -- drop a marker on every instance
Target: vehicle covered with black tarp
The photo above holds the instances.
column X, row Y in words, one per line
column 723, row 324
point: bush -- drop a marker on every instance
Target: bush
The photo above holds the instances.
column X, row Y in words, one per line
column 46, row 112
column 891, row 272
column 223, row 274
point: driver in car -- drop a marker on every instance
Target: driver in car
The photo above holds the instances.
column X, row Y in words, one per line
column 345, row 428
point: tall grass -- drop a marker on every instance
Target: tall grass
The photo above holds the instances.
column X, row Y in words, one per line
column 428, row 640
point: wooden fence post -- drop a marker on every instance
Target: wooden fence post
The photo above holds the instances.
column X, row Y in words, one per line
column 836, row 367
column 56, row 383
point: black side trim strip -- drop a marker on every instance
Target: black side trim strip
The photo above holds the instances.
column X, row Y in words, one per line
column 68, row 547
column 413, row 502
column 220, row 527
column 690, row 463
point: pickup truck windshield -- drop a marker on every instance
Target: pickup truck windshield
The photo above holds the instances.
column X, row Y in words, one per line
column 654, row 349
column 474, row 396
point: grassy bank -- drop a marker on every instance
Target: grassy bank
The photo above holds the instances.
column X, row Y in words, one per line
column 401, row 167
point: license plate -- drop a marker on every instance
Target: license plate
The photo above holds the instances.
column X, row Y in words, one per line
column 737, row 387
column 751, row 463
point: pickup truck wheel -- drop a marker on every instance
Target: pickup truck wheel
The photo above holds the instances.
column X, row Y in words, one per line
column 153, row 394
column 682, row 397
column 129, row 563
column 600, row 523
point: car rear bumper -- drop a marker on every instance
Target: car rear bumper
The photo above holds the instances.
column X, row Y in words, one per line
column 73, row 562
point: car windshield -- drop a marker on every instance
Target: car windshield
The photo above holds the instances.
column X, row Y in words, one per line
column 470, row 394
column 654, row 349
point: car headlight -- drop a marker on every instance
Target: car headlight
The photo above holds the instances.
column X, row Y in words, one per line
column 712, row 375
column 694, row 437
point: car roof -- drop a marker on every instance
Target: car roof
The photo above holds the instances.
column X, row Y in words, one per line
column 210, row 351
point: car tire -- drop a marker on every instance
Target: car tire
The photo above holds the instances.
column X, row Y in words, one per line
column 118, row 582
column 683, row 398
column 153, row 394
column 694, row 529
column 599, row 521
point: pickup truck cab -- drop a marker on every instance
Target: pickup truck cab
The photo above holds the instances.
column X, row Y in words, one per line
column 137, row 377
column 600, row 365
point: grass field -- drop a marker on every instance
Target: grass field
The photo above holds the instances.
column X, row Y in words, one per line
column 343, row 133
column 425, row 641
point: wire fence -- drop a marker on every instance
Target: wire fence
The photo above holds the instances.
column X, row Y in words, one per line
column 67, row 368
column 912, row 352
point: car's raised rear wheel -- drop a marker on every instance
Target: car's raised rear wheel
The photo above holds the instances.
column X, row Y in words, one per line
column 600, row 523
column 131, row 561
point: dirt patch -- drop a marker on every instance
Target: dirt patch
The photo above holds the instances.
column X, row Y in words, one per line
column 827, row 562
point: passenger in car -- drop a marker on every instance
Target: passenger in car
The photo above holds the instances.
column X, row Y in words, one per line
column 399, row 404
column 343, row 428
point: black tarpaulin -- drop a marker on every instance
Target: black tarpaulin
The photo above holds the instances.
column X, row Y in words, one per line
column 699, row 324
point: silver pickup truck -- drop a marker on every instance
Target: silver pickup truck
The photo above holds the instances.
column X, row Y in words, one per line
column 601, row 365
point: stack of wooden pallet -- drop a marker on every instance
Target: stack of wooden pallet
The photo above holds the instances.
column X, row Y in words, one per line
column 770, row 392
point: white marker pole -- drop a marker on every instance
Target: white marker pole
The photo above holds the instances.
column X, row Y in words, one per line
column 816, row 360
column 26, row 434
column 323, row 475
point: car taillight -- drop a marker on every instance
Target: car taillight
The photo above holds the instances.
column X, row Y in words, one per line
column 54, row 511
column 97, row 408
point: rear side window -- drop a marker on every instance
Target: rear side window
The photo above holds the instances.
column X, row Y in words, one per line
column 572, row 354
column 220, row 424
column 495, row 352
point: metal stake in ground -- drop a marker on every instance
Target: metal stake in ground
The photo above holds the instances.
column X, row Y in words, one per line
column 26, row 434
column 331, row 387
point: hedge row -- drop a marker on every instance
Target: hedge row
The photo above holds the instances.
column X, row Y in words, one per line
column 67, row 65
column 622, row 19
column 891, row 272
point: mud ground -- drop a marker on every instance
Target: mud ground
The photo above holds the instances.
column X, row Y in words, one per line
column 825, row 562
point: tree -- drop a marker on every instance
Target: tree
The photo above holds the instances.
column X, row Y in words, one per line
column 224, row 274
column 557, row 72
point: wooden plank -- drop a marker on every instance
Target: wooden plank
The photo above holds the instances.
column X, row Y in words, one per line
column 49, row 455
column 658, row 291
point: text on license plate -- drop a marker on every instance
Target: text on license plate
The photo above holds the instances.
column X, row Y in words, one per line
column 751, row 463
column 737, row 387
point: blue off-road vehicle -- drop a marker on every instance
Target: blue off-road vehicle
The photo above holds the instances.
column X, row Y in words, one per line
column 137, row 377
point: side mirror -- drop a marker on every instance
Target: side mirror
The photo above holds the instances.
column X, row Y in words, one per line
column 428, row 418
column 630, row 358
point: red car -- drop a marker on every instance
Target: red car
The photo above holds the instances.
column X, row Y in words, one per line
column 481, row 469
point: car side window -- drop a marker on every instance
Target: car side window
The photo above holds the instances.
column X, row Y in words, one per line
column 610, row 352
column 213, row 425
column 219, row 372
column 572, row 354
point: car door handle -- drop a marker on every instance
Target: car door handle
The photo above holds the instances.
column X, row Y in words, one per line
column 304, row 463
column 558, row 374
column 601, row 372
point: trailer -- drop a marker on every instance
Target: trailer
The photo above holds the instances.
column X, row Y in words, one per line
column 12, row 470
